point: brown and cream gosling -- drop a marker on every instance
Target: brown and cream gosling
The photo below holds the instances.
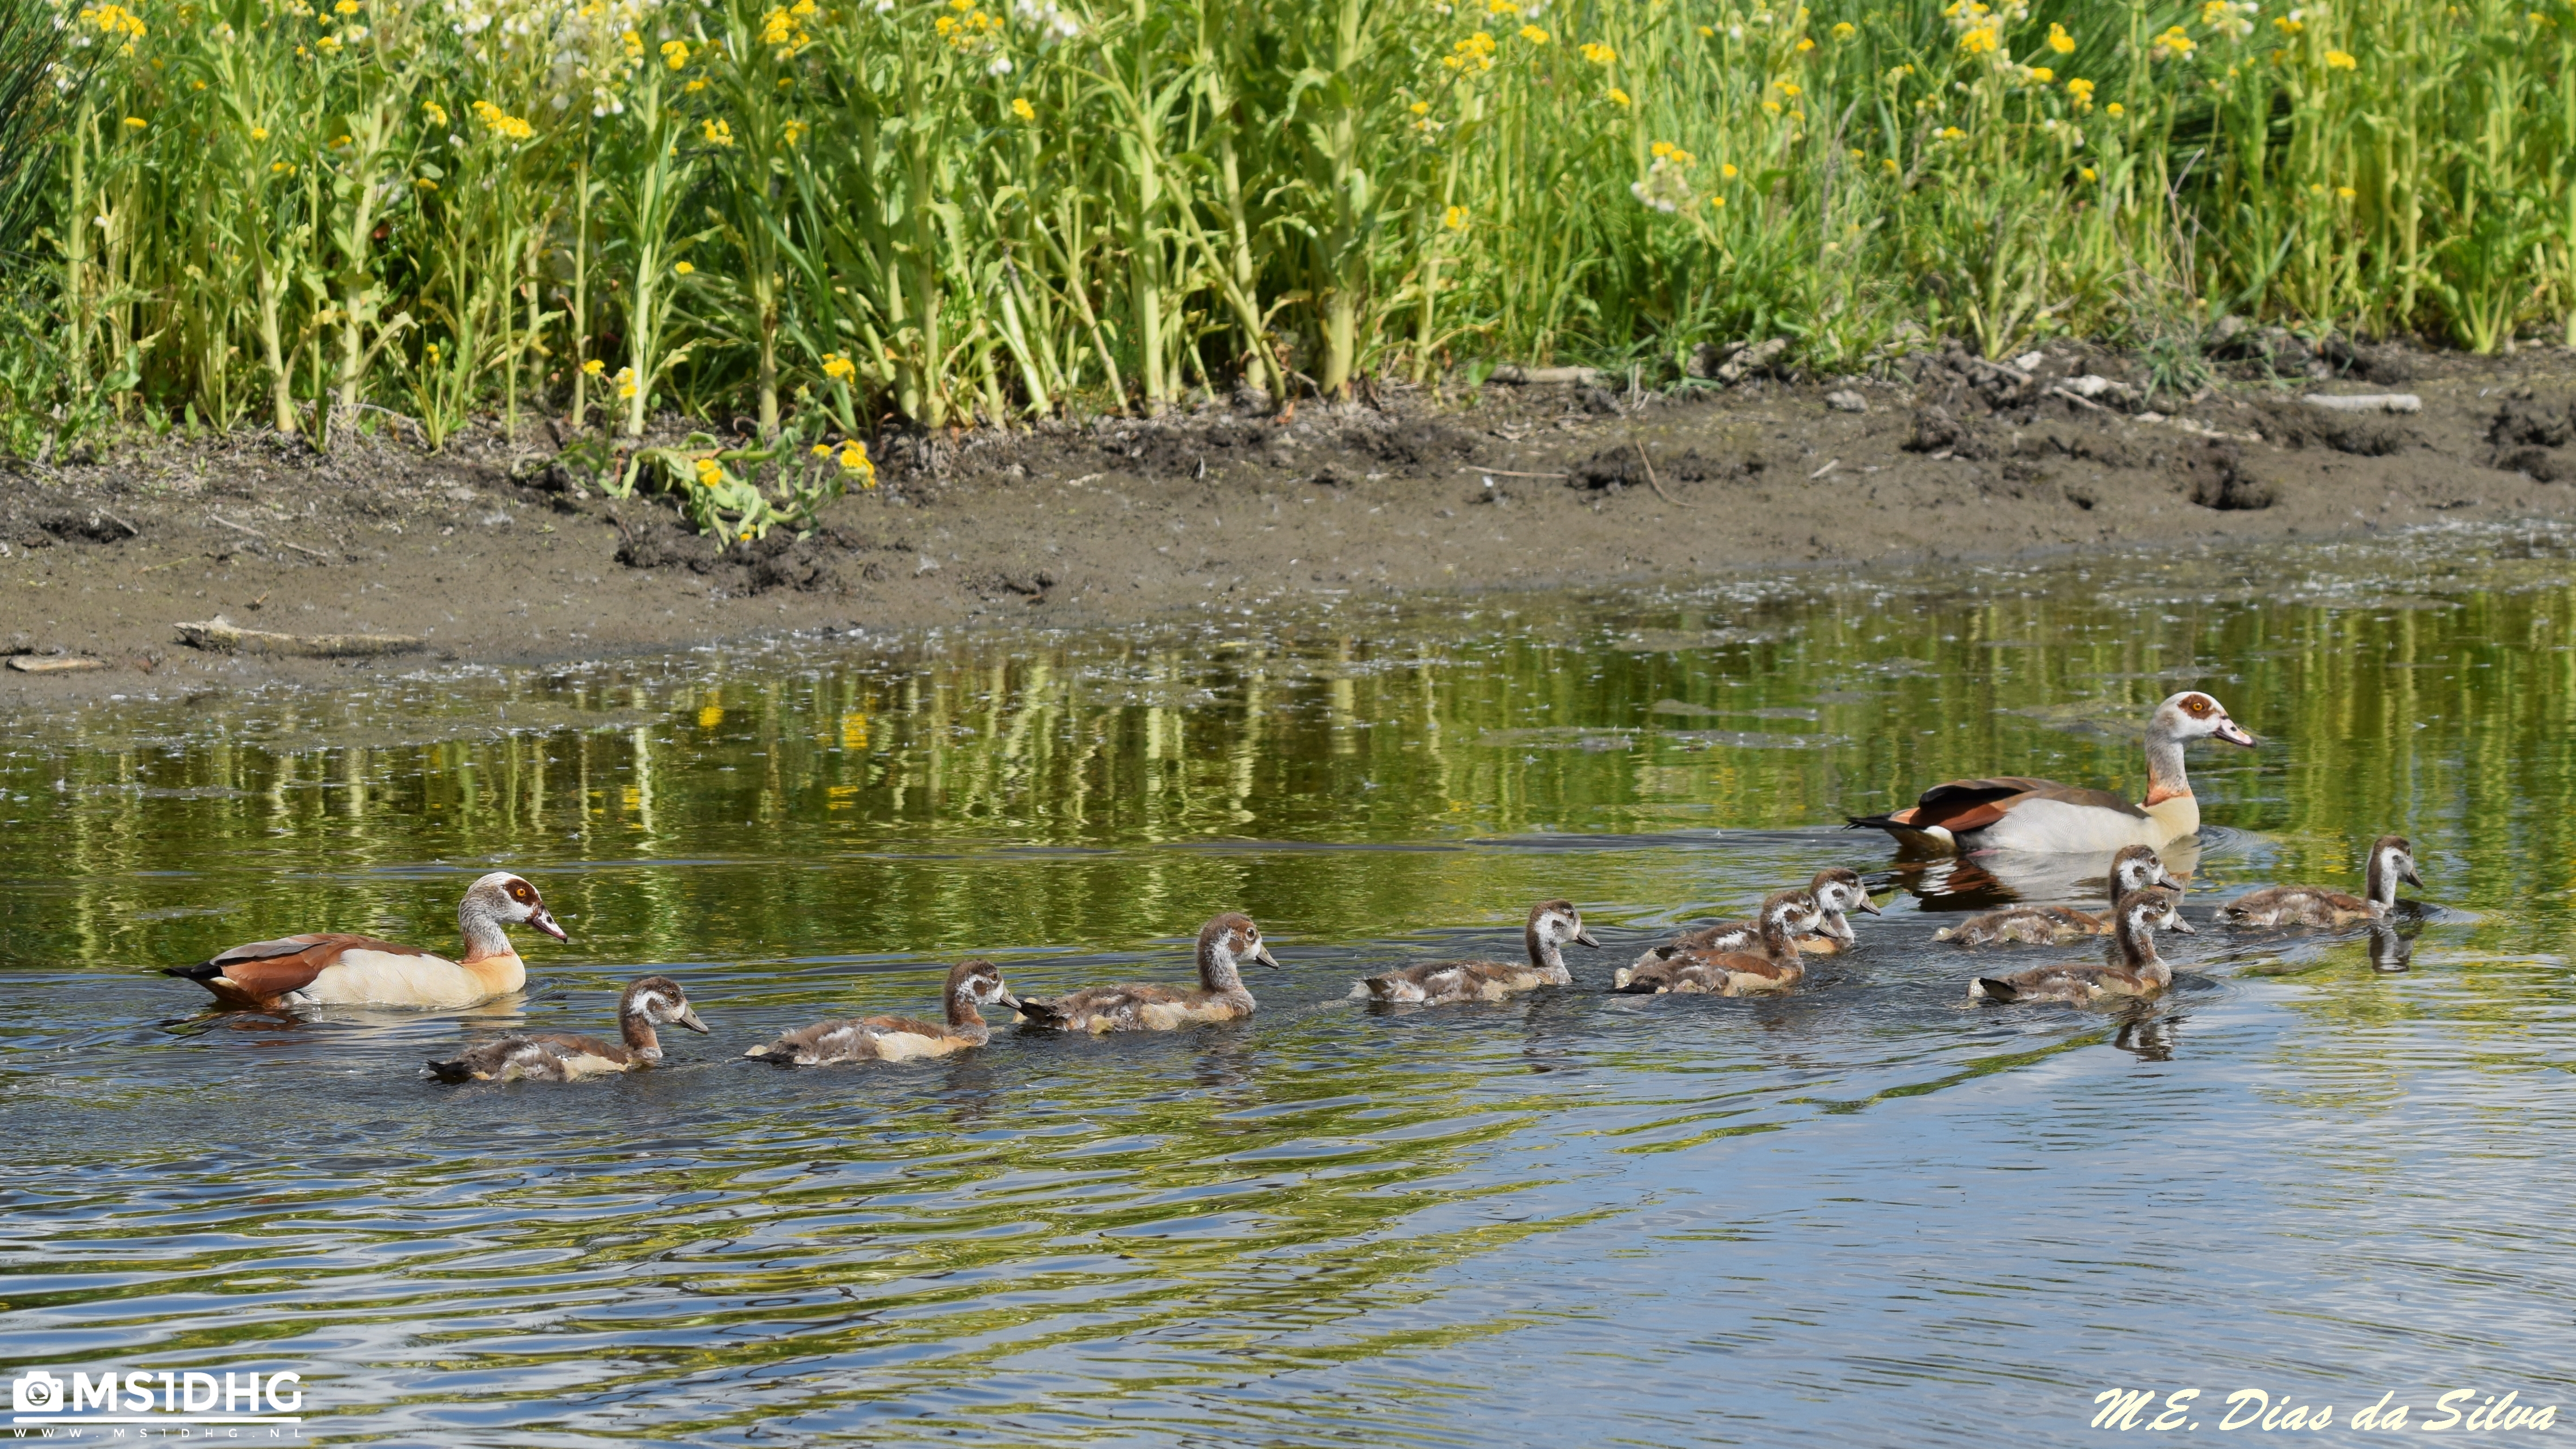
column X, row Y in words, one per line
column 1435, row 983
column 332, row 969
column 1784, row 916
column 1224, row 944
column 2140, row 972
column 1837, row 889
column 2391, row 860
column 2134, row 869
column 900, row 1038
column 557, row 1057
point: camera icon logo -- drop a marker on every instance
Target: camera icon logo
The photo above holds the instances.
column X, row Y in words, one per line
column 37, row 1392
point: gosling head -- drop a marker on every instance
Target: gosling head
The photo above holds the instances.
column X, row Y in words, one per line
column 1555, row 923
column 660, row 1000
column 2394, row 858
column 978, row 982
column 2137, row 867
column 1229, row 940
column 2154, row 909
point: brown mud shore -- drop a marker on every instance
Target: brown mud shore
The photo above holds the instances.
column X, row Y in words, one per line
column 498, row 559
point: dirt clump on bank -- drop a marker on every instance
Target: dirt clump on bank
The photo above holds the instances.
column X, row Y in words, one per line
column 492, row 553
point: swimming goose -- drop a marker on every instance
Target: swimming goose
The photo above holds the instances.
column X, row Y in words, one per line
column 2391, row 860
column 1224, row 944
column 330, row 969
column 2140, row 972
column 2134, row 869
column 900, row 1038
column 1784, row 915
column 2015, row 812
column 1837, row 890
column 557, row 1057
column 1551, row 924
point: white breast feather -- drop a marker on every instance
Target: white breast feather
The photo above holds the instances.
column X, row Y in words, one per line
column 2058, row 828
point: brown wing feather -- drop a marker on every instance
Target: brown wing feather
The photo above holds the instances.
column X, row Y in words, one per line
column 257, row 974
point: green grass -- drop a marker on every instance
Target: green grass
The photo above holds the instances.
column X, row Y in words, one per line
column 820, row 220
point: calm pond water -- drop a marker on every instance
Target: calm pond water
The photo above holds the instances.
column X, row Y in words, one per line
column 1864, row 1213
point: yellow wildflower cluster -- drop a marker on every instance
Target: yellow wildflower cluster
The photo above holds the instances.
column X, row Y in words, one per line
column 683, row 269
column 794, row 131
column 711, row 473
column 716, row 131
column 114, row 22
column 2233, row 19
column 783, row 28
column 1667, row 151
column 856, row 462
column 2171, row 45
column 675, row 54
column 1476, row 51
column 2038, row 75
column 1618, row 97
column 501, row 123
column 1597, row 53
column 2080, row 91
column 1455, row 218
column 2060, row 41
column 1845, row 30
column 434, row 113
column 969, row 29
column 1021, row 108
column 838, row 367
column 1533, row 35
column 2338, row 60
column 626, row 382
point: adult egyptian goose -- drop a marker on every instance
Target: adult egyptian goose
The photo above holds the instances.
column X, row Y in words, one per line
column 1225, row 942
column 2139, row 971
column 2391, row 860
column 1437, row 983
column 330, row 969
column 1837, row 889
column 2016, row 812
column 2134, row 869
column 900, row 1038
column 1784, row 916
column 556, row 1057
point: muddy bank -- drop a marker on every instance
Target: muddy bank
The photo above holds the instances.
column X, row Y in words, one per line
column 485, row 554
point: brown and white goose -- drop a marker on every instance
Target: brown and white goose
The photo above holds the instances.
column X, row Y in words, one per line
column 2017, row 812
column 1551, row 925
column 2134, row 869
column 1784, row 916
column 2139, row 971
column 1837, row 889
column 2392, row 859
column 1225, row 943
column 330, row 969
column 971, row 984
column 557, row 1057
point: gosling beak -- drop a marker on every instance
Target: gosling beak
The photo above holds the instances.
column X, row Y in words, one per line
column 1583, row 937
column 688, row 1017
column 2165, row 878
column 544, row 920
column 2234, row 733
column 2411, row 878
column 2179, row 926
column 1871, row 906
column 1007, row 999
column 1262, row 955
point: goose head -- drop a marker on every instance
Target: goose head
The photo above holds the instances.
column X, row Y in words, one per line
column 1553, row 924
column 2192, row 715
column 659, row 1000
column 1225, row 943
column 2137, row 867
column 1839, row 889
column 978, row 982
column 503, row 899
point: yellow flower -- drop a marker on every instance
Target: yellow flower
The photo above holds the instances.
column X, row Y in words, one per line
column 1772, row 106
column 2080, row 91
column 594, row 367
column 633, row 42
column 1845, row 30
column 1708, row 32
column 795, row 131
column 822, row 450
column 838, row 367
column 433, row 354
column 717, row 132
column 681, row 269
column 2041, row 75
column 2115, row 110
column 281, row 168
column 1889, row 166
column 710, row 473
column 424, row 183
column 1420, row 108
column 2346, row 192
column 1804, row 45
column 1455, row 218
column 2338, row 60
column 1533, row 35
column 855, row 460
column 436, row 113
column 1953, row 133
column 1981, row 39
column 1021, row 108
column 347, row 7
column 675, row 53
column 2173, row 43
column 2060, row 41
column 2288, row 24
column 1717, row 203
column 259, row 133
column 135, row 123
column 1856, row 156
column 1597, row 53
column 2086, row 172
column 695, row 86
column 626, row 382
column 1618, row 97
column 1726, row 169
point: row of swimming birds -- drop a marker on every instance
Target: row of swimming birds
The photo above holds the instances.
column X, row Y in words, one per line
column 1759, row 955
column 1739, row 958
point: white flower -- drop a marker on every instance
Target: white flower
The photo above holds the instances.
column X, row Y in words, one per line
column 1001, row 65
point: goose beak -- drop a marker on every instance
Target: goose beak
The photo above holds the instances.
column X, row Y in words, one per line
column 2234, row 733
column 1584, row 937
column 1262, row 955
column 688, row 1017
column 544, row 920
